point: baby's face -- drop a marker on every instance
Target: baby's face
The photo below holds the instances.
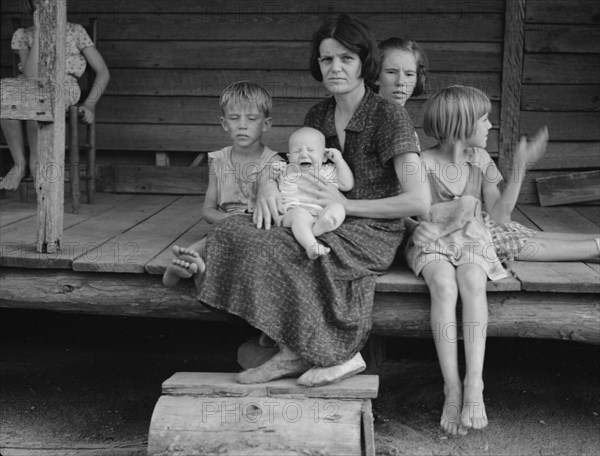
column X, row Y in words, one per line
column 306, row 148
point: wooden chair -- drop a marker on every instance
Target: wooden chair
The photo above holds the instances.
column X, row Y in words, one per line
column 73, row 144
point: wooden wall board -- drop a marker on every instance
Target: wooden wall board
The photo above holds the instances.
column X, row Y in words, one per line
column 561, row 97
column 317, row 8
column 129, row 250
column 569, row 188
column 574, row 69
column 581, row 39
column 563, row 126
column 179, row 180
column 565, row 155
column 563, row 12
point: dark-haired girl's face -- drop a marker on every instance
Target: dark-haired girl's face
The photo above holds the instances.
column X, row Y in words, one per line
column 398, row 76
column 341, row 68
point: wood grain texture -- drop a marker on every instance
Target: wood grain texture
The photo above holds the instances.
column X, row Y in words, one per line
column 569, row 188
column 51, row 135
column 512, row 70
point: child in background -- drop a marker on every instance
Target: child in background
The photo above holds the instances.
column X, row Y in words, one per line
column 80, row 51
column 404, row 74
column 307, row 165
column 233, row 171
column 462, row 257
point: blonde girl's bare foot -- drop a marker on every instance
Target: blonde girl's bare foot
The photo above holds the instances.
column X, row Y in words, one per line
column 473, row 414
column 320, row 376
column 316, row 250
column 12, row 180
column 329, row 220
column 451, row 413
column 183, row 267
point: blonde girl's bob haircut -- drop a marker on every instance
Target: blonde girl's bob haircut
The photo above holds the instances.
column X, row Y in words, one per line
column 452, row 113
column 246, row 92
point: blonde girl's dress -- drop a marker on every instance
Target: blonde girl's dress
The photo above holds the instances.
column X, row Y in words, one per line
column 77, row 40
column 237, row 185
column 464, row 237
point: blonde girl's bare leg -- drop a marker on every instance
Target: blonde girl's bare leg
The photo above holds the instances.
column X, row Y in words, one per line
column 472, row 282
column 440, row 278
column 567, row 248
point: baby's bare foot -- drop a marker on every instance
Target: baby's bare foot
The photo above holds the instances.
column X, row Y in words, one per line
column 329, row 220
column 12, row 180
column 473, row 411
column 451, row 413
column 316, row 250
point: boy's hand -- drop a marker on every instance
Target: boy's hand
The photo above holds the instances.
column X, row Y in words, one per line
column 333, row 154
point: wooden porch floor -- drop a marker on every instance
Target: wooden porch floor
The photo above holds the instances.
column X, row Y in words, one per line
column 120, row 245
column 128, row 233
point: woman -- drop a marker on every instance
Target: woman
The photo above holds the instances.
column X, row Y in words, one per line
column 319, row 312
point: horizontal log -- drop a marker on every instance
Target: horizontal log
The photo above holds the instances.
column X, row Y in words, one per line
column 563, row 316
column 563, row 97
column 563, row 11
column 317, row 7
column 581, row 39
column 28, row 99
column 574, row 69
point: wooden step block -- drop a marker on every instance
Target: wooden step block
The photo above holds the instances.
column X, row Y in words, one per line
column 210, row 413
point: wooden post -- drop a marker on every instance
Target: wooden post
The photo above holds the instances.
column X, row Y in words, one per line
column 49, row 174
column 512, row 71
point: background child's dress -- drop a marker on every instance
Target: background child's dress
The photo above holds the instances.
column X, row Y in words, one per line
column 77, row 40
column 464, row 238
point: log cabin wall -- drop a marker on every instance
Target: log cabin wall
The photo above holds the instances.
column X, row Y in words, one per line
column 170, row 60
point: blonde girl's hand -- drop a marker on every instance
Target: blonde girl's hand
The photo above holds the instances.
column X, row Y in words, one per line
column 333, row 154
column 426, row 233
column 86, row 114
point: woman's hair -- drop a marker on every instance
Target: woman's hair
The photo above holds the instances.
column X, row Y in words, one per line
column 452, row 113
column 418, row 53
column 246, row 92
column 354, row 36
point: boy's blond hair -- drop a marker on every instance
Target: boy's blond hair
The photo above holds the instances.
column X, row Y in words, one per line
column 246, row 92
column 452, row 113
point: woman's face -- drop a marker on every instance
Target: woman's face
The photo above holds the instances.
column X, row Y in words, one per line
column 398, row 75
column 341, row 69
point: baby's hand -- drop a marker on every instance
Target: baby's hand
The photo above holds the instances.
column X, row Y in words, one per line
column 333, row 154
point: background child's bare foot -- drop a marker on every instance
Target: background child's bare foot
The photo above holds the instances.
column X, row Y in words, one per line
column 330, row 219
column 451, row 413
column 316, row 250
column 12, row 180
column 473, row 414
column 320, row 376
column 187, row 263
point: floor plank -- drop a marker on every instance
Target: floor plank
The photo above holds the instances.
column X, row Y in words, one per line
column 131, row 249
column 562, row 219
column 563, row 277
column 19, row 239
column 592, row 213
column 159, row 263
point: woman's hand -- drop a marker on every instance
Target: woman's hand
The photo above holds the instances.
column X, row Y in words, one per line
column 268, row 205
column 86, row 113
column 323, row 193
